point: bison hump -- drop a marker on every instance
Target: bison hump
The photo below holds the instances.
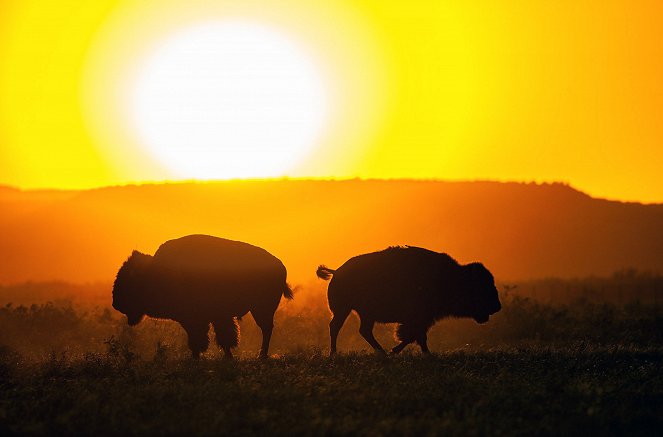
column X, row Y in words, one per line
column 205, row 253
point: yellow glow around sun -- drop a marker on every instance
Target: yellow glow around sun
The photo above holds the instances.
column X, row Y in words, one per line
column 195, row 90
column 228, row 99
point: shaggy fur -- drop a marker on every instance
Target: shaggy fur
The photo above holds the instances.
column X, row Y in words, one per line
column 410, row 286
column 197, row 280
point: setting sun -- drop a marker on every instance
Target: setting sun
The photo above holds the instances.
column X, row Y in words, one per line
column 228, row 99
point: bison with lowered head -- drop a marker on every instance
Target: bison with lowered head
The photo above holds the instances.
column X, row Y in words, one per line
column 410, row 286
column 199, row 279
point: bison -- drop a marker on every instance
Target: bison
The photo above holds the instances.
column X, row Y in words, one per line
column 199, row 279
column 411, row 286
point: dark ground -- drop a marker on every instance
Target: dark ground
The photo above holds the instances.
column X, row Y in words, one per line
column 580, row 357
column 574, row 390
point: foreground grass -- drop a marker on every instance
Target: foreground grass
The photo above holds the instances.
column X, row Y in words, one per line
column 574, row 390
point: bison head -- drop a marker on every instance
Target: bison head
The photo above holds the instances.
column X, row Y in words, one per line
column 128, row 289
column 481, row 292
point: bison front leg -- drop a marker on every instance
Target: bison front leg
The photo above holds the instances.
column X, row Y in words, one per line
column 408, row 333
column 197, row 335
column 422, row 342
column 227, row 334
column 335, row 326
column 399, row 347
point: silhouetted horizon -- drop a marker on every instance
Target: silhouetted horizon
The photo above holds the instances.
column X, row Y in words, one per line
column 553, row 183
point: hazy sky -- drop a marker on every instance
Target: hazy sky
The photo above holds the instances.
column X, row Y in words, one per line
column 505, row 90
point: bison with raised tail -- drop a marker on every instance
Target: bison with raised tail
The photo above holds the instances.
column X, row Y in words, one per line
column 197, row 280
column 410, row 286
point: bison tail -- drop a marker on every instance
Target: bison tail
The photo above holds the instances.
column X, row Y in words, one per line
column 324, row 272
column 287, row 292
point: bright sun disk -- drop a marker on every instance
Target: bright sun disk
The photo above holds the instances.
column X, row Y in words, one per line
column 228, row 99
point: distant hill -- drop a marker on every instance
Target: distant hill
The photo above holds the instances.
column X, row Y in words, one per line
column 518, row 230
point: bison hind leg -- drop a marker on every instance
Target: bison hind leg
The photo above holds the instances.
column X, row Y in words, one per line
column 264, row 317
column 335, row 325
column 366, row 330
column 227, row 334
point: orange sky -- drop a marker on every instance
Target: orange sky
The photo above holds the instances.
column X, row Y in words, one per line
column 506, row 90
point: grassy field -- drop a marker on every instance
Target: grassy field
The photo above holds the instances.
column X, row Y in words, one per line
column 589, row 365
column 574, row 390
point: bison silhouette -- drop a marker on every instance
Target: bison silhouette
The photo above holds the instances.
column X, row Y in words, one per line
column 411, row 286
column 199, row 279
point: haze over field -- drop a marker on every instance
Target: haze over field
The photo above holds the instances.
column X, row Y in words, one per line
column 519, row 230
